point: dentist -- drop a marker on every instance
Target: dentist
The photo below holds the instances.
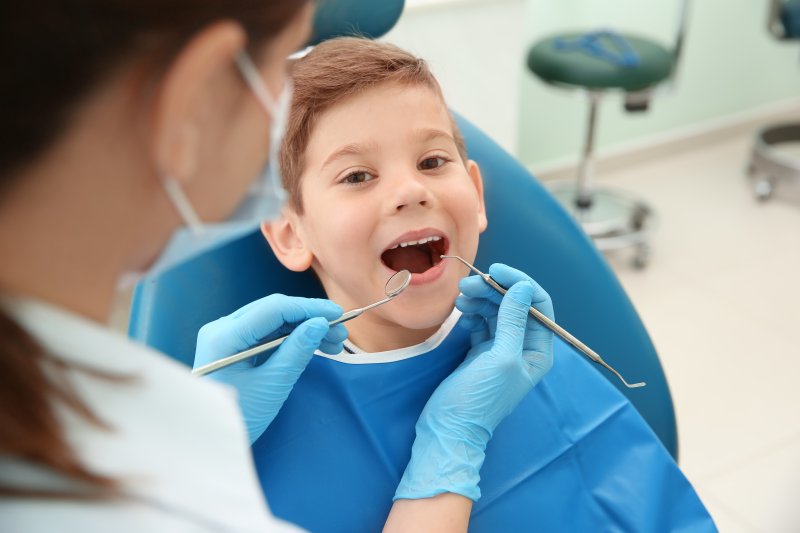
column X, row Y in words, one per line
column 132, row 129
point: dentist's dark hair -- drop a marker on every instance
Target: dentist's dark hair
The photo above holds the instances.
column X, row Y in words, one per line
column 54, row 55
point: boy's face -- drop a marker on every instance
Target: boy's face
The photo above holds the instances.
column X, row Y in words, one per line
column 382, row 172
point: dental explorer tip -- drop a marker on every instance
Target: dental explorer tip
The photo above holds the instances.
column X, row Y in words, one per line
column 635, row 385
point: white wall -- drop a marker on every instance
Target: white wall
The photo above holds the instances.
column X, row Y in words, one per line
column 730, row 67
column 478, row 48
column 473, row 47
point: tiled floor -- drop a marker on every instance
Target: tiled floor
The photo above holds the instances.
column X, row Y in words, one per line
column 721, row 300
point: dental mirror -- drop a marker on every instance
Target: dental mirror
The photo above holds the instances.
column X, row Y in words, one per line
column 394, row 286
column 397, row 283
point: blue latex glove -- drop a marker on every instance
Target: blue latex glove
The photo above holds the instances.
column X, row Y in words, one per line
column 510, row 353
column 263, row 388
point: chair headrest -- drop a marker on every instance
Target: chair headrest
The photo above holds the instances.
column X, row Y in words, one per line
column 368, row 18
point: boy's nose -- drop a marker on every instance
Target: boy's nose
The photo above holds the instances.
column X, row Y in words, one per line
column 410, row 192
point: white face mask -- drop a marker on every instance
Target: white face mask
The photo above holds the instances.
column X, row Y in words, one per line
column 264, row 201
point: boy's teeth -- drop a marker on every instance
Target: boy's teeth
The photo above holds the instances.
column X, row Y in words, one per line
column 414, row 243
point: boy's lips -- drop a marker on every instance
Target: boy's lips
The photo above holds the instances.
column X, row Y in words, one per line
column 418, row 252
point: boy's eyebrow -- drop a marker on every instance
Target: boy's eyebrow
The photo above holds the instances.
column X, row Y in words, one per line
column 424, row 135
column 344, row 151
column 430, row 134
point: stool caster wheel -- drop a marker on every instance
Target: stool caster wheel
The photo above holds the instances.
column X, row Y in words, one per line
column 641, row 257
column 763, row 189
column 639, row 217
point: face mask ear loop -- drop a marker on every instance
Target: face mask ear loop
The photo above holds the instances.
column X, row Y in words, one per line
column 278, row 112
column 253, row 78
column 182, row 205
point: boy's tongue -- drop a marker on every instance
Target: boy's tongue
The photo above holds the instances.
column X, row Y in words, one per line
column 415, row 259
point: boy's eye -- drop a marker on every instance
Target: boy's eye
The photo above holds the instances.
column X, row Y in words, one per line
column 432, row 163
column 358, row 177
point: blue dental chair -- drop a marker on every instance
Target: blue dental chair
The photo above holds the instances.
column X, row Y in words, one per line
column 528, row 229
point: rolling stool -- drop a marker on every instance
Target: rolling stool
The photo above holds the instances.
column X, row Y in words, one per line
column 769, row 164
column 598, row 62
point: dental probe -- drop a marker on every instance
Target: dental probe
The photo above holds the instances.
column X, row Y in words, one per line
column 552, row 326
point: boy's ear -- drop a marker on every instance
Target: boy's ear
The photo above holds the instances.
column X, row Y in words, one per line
column 477, row 180
column 286, row 243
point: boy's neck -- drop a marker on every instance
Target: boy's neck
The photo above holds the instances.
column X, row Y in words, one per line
column 372, row 335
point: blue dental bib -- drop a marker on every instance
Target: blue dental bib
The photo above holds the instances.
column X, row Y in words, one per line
column 575, row 455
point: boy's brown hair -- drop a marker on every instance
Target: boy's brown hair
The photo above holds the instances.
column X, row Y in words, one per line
column 333, row 71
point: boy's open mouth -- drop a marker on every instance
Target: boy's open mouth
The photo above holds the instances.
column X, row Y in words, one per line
column 416, row 256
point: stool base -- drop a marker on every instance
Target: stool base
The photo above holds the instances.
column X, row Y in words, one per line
column 771, row 167
column 614, row 219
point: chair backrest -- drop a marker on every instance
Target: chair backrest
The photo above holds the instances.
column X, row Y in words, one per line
column 527, row 229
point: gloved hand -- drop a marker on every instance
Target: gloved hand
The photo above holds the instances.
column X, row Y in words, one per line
column 511, row 351
column 262, row 389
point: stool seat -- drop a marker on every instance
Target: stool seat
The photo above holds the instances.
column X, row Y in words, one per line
column 554, row 63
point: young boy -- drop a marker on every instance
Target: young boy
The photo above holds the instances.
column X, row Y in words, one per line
column 379, row 181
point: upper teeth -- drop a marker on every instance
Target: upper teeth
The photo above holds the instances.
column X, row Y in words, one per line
column 413, row 243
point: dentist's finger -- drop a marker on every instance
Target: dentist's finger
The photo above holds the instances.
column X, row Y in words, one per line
column 476, row 287
column 276, row 310
column 477, row 306
column 477, row 327
column 292, row 357
column 506, row 275
column 512, row 320
column 249, row 325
